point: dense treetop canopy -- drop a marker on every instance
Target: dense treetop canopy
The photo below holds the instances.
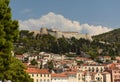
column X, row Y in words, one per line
column 11, row 68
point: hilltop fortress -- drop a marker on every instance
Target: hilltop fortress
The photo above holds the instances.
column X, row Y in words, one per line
column 60, row 34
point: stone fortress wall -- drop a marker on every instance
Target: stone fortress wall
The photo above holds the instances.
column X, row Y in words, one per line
column 60, row 34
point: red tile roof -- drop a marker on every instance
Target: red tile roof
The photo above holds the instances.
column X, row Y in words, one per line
column 70, row 73
column 37, row 71
column 59, row 75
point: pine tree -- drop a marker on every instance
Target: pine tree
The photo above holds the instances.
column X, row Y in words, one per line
column 10, row 68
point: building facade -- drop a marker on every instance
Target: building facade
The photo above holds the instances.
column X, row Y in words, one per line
column 39, row 75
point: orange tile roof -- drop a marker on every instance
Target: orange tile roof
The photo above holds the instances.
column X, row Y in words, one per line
column 59, row 75
column 64, row 74
column 44, row 71
column 37, row 71
column 70, row 72
column 112, row 66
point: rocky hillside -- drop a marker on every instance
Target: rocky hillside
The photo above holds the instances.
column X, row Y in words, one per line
column 111, row 37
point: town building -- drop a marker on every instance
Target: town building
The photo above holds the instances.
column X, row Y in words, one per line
column 39, row 75
column 115, row 74
column 106, row 76
column 93, row 68
column 61, row 77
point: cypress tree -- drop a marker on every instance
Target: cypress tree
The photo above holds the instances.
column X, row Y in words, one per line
column 10, row 68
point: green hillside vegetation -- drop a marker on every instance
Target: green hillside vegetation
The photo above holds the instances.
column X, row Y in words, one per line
column 112, row 38
column 28, row 42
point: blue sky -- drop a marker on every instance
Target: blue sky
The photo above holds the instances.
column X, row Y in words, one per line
column 88, row 13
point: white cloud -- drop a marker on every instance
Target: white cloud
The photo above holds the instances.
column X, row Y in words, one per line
column 94, row 30
column 52, row 20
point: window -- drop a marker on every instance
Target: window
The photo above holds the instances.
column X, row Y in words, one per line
column 36, row 80
column 89, row 69
column 48, row 80
column 44, row 80
column 92, row 69
column 32, row 75
column 101, row 69
column 41, row 75
column 98, row 79
column 97, row 69
column 48, row 75
column 40, row 80
column 44, row 75
column 37, row 75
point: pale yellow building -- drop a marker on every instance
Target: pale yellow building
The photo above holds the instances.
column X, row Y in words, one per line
column 106, row 77
column 98, row 77
column 39, row 75
column 79, row 76
column 93, row 68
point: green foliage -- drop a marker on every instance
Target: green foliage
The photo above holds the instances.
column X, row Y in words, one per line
column 62, row 45
column 11, row 69
column 33, row 62
column 113, row 39
column 20, row 50
column 50, row 65
column 20, row 75
column 41, row 64
column 79, row 62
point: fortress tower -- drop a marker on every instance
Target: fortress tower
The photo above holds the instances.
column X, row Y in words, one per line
column 43, row 31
